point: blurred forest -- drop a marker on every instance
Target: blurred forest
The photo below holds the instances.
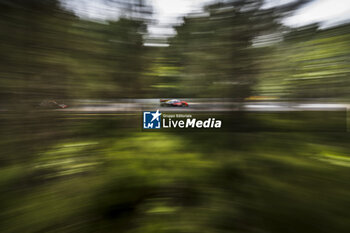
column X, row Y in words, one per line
column 237, row 49
column 69, row 173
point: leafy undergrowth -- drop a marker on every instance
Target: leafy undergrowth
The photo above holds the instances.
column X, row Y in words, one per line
column 162, row 182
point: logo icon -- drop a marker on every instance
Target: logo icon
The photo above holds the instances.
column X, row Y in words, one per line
column 151, row 120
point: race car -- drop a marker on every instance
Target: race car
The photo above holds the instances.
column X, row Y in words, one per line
column 173, row 103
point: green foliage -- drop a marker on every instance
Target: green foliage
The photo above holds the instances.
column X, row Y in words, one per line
column 50, row 53
column 309, row 63
column 63, row 172
column 162, row 182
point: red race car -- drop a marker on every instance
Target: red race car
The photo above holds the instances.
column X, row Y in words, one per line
column 173, row 103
